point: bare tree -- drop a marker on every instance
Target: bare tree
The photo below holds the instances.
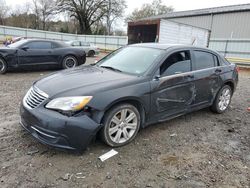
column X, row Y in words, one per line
column 43, row 9
column 3, row 11
column 36, row 12
column 87, row 12
column 19, row 16
column 114, row 10
column 26, row 11
column 147, row 10
column 47, row 10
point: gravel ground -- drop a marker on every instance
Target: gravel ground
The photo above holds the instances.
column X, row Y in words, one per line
column 200, row 149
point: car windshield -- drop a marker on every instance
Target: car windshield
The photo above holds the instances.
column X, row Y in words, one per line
column 17, row 44
column 132, row 60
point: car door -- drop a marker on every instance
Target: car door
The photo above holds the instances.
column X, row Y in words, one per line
column 36, row 52
column 85, row 46
column 206, row 77
column 172, row 88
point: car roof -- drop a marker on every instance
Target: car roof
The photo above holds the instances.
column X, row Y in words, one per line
column 42, row 40
column 175, row 47
column 77, row 41
column 165, row 46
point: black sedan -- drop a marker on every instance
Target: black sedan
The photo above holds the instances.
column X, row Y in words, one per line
column 32, row 52
column 129, row 89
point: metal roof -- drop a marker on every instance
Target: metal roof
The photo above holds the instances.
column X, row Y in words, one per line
column 206, row 11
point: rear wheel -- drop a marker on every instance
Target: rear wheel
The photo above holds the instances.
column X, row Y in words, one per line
column 69, row 62
column 91, row 53
column 121, row 125
column 222, row 100
column 3, row 66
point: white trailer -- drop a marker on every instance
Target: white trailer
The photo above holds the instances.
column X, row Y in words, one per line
column 168, row 32
column 178, row 33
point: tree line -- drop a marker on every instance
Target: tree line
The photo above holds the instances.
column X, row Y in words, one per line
column 76, row 16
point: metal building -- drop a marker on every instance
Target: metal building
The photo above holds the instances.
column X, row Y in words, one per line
column 223, row 22
column 229, row 27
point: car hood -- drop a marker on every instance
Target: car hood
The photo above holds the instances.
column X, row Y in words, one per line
column 4, row 51
column 4, row 48
column 83, row 80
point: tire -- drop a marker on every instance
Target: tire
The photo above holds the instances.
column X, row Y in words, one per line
column 123, row 132
column 69, row 62
column 3, row 66
column 91, row 53
column 222, row 100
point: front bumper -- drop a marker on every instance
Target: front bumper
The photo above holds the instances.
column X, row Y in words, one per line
column 54, row 129
column 81, row 59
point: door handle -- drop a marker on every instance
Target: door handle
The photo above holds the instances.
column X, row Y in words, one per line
column 190, row 76
column 218, row 71
column 157, row 78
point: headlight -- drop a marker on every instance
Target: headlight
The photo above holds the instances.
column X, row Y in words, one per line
column 69, row 103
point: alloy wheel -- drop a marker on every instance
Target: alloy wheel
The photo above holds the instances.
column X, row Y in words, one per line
column 224, row 99
column 123, row 126
column 70, row 62
column 2, row 66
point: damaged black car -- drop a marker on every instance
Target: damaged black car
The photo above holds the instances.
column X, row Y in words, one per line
column 127, row 90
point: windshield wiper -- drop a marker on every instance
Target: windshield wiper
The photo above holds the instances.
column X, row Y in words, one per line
column 111, row 68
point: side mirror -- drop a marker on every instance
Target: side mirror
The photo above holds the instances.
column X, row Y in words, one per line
column 25, row 48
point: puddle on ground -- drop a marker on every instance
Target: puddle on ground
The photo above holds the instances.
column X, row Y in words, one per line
column 245, row 72
column 169, row 160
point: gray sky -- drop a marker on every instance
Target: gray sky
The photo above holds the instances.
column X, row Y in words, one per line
column 179, row 5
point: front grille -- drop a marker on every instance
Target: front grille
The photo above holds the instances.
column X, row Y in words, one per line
column 34, row 98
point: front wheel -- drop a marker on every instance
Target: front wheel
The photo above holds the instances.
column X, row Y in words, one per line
column 121, row 125
column 3, row 66
column 222, row 100
column 69, row 62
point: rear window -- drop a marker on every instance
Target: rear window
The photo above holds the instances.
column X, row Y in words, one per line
column 76, row 43
column 85, row 44
column 205, row 60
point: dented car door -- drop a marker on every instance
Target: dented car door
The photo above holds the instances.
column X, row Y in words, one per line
column 173, row 91
column 206, row 77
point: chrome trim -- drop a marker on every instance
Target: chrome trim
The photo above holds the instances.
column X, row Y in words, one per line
column 35, row 129
column 34, row 97
column 41, row 92
column 192, row 72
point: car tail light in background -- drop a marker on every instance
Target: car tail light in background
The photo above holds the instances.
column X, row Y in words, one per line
column 237, row 69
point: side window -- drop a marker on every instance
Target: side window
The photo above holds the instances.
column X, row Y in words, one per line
column 176, row 63
column 205, row 60
column 76, row 43
column 85, row 44
column 54, row 45
column 39, row 45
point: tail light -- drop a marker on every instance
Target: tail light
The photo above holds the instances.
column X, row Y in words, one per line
column 237, row 69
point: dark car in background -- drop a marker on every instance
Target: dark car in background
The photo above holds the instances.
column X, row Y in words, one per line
column 34, row 52
column 129, row 89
